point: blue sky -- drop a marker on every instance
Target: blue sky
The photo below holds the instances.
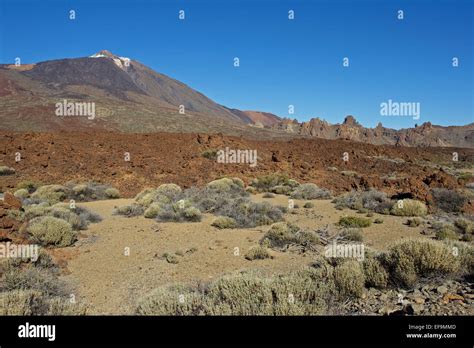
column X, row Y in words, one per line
column 282, row 62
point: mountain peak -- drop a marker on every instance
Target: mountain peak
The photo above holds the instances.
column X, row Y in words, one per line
column 104, row 53
column 121, row 62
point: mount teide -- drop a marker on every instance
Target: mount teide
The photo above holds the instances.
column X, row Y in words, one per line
column 129, row 97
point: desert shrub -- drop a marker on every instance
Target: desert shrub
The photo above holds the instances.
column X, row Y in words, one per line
column 32, row 278
column 192, row 214
column 28, row 185
column 257, row 253
column 63, row 306
column 49, row 230
column 415, row 222
column 409, row 207
column 172, row 300
column 369, row 200
column 210, row 154
column 129, row 210
column 86, row 215
column 169, row 190
column 222, row 222
column 91, row 191
column 31, row 302
column 79, row 218
column 281, row 189
column 153, row 210
column 466, row 226
column 35, row 210
column 267, row 182
column 304, row 292
column 353, row 234
column 375, row 275
column 250, row 214
column 30, row 287
column 145, row 197
column 444, row 231
column 310, row 191
column 354, row 221
column 222, row 185
column 410, row 260
column 179, row 211
column 448, row 200
column 112, row 193
column 268, row 195
column 349, row 279
column 4, row 170
column 283, row 235
column 21, row 193
column 51, row 193
column 308, row 205
column 251, row 190
column 378, row 221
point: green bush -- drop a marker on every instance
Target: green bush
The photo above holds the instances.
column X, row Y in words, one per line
column 49, row 230
column 349, row 279
column 308, row 291
column 410, row 260
column 21, row 193
column 310, row 191
column 444, row 231
column 308, row 205
column 4, row 170
column 28, row 185
column 353, row 234
column 268, row 182
column 129, row 210
column 222, row 222
column 409, row 207
column 257, row 253
column 282, row 235
column 51, row 193
column 112, row 193
column 354, row 221
column 153, row 210
column 375, row 275
column 370, row 200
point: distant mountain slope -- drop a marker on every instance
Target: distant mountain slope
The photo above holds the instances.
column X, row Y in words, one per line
column 130, row 97
column 425, row 134
column 265, row 118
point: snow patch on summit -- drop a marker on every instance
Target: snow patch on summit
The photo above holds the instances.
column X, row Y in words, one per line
column 121, row 62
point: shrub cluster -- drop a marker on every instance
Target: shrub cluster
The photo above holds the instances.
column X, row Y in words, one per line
column 304, row 292
column 448, row 200
column 33, row 288
column 282, row 235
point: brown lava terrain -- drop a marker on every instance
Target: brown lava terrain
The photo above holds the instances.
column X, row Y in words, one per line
column 178, row 158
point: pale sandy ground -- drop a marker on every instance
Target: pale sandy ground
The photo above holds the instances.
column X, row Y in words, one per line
column 111, row 282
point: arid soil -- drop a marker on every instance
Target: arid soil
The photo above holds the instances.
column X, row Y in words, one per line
column 111, row 282
column 165, row 157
